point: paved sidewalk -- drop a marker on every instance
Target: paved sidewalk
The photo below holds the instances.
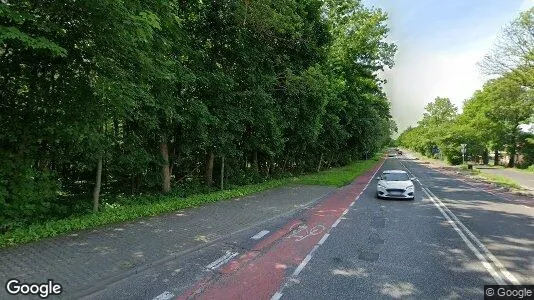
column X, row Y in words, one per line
column 85, row 260
column 524, row 179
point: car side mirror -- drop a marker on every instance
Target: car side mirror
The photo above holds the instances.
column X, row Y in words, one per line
column 413, row 178
column 378, row 178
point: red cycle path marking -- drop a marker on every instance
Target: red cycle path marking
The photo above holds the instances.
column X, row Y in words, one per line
column 260, row 272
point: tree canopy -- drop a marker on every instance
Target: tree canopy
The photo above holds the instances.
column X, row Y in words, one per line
column 107, row 97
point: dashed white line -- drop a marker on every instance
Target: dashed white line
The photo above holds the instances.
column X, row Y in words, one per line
column 305, row 261
column 336, row 222
column 260, row 234
column 222, row 260
column 164, row 296
column 323, row 238
column 301, row 266
column 276, row 296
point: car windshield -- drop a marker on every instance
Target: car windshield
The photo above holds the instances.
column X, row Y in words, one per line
column 395, row 177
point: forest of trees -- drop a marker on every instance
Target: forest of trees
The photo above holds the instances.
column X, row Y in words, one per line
column 102, row 97
column 491, row 119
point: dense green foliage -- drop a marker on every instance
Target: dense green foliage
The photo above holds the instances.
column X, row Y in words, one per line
column 116, row 98
column 491, row 118
column 131, row 208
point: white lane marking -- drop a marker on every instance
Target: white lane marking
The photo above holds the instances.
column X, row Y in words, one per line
column 336, row 222
column 442, row 207
column 164, row 296
column 323, row 238
column 482, row 247
column 222, row 260
column 276, row 296
column 346, row 211
column 477, row 253
column 304, row 262
column 301, row 266
column 260, row 234
column 511, row 278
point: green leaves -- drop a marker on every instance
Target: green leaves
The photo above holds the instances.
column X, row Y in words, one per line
column 12, row 34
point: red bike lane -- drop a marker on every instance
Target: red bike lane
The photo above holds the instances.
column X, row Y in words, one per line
column 262, row 271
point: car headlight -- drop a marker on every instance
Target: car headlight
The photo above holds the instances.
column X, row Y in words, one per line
column 381, row 186
column 410, row 187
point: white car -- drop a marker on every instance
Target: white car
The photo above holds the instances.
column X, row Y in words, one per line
column 395, row 184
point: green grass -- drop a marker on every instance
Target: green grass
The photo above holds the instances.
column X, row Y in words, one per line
column 337, row 177
column 500, row 180
column 117, row 213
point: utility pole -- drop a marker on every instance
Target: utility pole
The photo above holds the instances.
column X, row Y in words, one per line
column 463, row 153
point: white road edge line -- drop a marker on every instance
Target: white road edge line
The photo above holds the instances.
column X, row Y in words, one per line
column 164, row 296
column 477, row 253
column 482, row 247
column 449, row 215
column 222, row 260
column 301, row 266
column 260, row 234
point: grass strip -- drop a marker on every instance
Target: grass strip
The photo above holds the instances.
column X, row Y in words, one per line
column 122, row 213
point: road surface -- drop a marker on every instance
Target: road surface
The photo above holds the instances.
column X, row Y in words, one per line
column 321, row 244
column 398, row 249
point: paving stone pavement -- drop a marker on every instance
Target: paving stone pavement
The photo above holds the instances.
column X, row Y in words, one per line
column 81, row 260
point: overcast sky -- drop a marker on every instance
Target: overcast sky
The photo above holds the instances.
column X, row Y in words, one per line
column 439, row 43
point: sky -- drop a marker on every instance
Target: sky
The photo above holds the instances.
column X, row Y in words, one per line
column 439, row 44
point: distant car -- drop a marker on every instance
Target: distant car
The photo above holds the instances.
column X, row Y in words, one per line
column 395, row 184
column 392, row 155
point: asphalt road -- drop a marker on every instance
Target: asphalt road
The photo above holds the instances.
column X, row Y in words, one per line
column 446, row 244
column 384, row 249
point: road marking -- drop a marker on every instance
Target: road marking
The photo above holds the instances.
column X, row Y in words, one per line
column 276, row 296
column 336, row 222
column 490, row 255
column 457, row 224
column 260, row 234
column 301, row 266
column 222, row 260
column 477, row 253
column 164, row 296
column 323, row 239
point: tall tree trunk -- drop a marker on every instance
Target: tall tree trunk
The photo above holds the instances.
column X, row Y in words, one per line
column 485, row 157
column 320, row 162
column 98, row 183
column 165, row 168
column 496, row 157
column 222, row 172
column 209, row 168
column 512, row 152
column 255, row 161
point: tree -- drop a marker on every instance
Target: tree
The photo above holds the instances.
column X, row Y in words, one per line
column 513, row 53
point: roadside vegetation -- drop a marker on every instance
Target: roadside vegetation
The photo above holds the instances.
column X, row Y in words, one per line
column 490, row 122
column 122, row 209
column 143, row 104
column 492, row 178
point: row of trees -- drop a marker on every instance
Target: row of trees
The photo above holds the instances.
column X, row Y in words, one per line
column 491, row 118
column 134, row 96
